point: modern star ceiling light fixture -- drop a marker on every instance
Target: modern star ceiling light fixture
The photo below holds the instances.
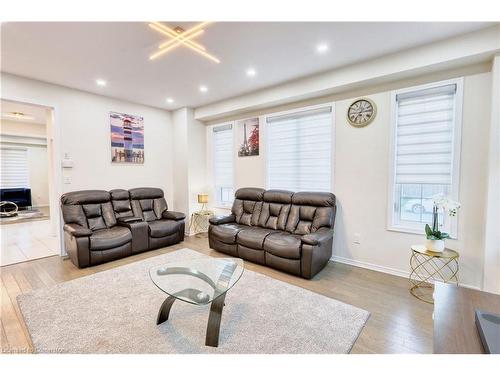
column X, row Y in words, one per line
column 180, row 37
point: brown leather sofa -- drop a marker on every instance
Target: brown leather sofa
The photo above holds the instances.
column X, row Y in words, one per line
column 292, row 232
column 101, row 226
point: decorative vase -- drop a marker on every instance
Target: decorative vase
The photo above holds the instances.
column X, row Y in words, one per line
column 436, row 246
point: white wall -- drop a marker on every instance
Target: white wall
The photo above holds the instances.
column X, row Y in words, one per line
column 197, row 173
column 82, row 120
column 180, row 159
column 361, row 185
column 361, row 179
column 190, row 172
column 33, row 138
column 23, row 128
column 492, row 241
column 79, row 127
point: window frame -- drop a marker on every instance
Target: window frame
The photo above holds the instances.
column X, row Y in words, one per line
column 451, row 224
column 217, row 203
column 303, row 109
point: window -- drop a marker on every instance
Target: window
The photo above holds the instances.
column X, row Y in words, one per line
column 222, row 140
column 14, row 168
column 426, row 149
column 300, row 150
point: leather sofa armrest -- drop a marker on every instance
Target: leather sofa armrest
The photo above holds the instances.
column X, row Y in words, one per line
column 172, row 215
column 130, row 219
column 77, row 230
column 317, row 237
column 218, row 220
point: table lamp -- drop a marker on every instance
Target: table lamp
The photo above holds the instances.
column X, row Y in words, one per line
column 203, row 199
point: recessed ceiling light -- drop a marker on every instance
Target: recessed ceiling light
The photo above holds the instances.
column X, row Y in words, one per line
column 203, row 88
column 18, row 115
column 322, row 48
column 101, row 82
column 170, row 100
column 251, row 72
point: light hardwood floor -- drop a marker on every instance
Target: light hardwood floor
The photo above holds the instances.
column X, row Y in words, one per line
column 27, row 241
column 399, row 323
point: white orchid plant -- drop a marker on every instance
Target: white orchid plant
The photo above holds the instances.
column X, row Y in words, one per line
column 447, row 205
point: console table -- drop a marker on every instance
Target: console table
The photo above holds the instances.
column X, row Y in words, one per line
column 455, row 329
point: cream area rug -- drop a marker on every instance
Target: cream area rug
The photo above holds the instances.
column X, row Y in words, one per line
column 115, row 311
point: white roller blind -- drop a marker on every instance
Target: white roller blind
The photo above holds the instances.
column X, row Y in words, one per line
column 14, row 168
column 223, row 163
column 424, row 136
column 299, row 150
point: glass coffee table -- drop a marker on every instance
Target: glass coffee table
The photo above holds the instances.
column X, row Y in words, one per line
column 199, row 282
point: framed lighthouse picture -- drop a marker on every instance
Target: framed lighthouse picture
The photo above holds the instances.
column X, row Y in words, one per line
column 248, row 137
column 127, row 138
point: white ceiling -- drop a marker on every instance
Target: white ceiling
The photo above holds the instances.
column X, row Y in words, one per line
column 76, row 54
column 34, row 114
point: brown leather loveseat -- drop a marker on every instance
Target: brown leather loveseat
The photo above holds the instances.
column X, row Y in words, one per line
column 101, row 226
column 292, row 232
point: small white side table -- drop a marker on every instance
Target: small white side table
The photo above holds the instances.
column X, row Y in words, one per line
column 199, row 221
column 428, row 266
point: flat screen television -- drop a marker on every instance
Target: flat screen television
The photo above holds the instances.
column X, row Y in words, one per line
column 20, row 196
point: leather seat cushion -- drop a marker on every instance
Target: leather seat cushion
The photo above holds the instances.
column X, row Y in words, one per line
column 109, row 238
column 162, row 228
column 283, row 244
column 253, row 237
column 226, row 233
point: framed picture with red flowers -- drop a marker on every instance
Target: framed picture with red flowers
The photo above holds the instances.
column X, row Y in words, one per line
column 248, row 137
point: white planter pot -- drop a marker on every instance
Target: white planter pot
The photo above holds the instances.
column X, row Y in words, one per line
column 436, row 246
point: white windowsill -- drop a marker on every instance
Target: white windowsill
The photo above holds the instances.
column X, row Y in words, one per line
column 222, row 207
column 410, row 230
column 406, row 230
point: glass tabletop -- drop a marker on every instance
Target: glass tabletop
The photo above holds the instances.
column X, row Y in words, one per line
column 197, row 281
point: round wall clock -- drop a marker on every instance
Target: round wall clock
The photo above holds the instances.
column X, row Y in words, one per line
column 361, row 112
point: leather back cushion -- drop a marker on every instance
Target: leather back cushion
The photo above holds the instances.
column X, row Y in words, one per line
column 73, row 214
column 274, row 215
column 89, row 208
column 148, row 203
column 85, row 197
column 145, row 193
column 246, row 212
column 149, row 209
column 308, row 219
column 122, row 208
column 275, row 209
column 310, row 212
column 120, row 201
column 250, row 194
column 99, row 215
column 247, row 205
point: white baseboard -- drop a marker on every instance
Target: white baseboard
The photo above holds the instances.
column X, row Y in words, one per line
column 383, row 269
column 371, row 266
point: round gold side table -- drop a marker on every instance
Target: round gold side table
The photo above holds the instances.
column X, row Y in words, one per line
column 427, row 266
column 199, row 221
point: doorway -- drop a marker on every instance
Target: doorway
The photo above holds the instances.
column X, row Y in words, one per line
column 26, row 221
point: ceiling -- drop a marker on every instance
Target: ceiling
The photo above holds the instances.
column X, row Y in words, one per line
column 34, row 114
column 76, row 54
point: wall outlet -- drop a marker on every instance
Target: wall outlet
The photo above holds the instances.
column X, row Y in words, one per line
column 357, row 238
